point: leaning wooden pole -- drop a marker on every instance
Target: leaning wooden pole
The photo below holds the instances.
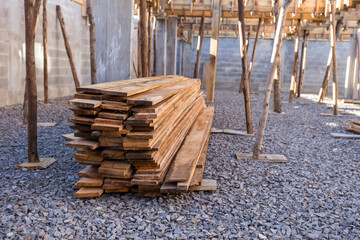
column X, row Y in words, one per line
column 31, row 80
column 325, row 84
column 292, row 93
column 334, row 60
column 214, row 45
column 277, row 81
column 67, row 46
column 259, row 137
column 303, row 64
column 46, row 75
column 244, row 63
column 154, row 49
column 143, row 39
column 199, row 48
column 182, row 57
column 254, row 49
column 90, row 13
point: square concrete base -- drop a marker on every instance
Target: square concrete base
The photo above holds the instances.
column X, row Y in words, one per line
column 274, row 158
column 44, row 163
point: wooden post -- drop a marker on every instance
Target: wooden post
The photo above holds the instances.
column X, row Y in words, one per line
column 214, row 45
column 35, row 16
column 248, row 41
column 67, row 46
column 244, row 63
column 30, row 23
column 292, row 93
column 303, row 63
column 334, row 60
column 154, row 48
column 259, row 137
column 90, row 14
column 182, row 57
column 254, row 49
column 199, row 48
column 325, row 84
column 143, row 39
column 150, row 41
column 139, row 51
column 46, row 81
column 277, row 79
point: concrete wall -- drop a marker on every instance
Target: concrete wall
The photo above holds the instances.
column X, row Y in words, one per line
column 12, row 51
column 114, row 30
column 228, row 73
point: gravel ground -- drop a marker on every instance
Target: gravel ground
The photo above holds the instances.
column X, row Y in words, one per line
column 315, row 195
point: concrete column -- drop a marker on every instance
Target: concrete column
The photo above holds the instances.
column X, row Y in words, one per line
column 171, row 45
column 161, row 47
column 114, row 25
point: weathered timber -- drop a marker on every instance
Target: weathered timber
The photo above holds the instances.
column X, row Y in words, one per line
column 303, row 63
column 143, row 39
column 294, row 74
column 90, row 14
column 254, row 49
column 199, row 48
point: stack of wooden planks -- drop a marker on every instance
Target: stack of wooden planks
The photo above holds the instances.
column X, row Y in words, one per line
column 353, row 125
column 146, row 135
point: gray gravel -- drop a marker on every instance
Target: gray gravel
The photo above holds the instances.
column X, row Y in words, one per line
column 315, row 195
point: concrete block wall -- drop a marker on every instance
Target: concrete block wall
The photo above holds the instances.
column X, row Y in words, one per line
column 228, row 73
column 12, row 51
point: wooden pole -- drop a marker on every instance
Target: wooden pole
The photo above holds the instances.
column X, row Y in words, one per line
column 143, row 39
column 358, row 57
column 303, row 63
column 67, row 46
column 334, row 60
column 325, row 84
column 182, row 57
column 150, row 41
column 46, row 81
column 90, row 13
column 35, row 17
column 154, row 48
column 277, row 79
column 244, row 63
column 248, row 41
column 139, row 51
column 292, row 93
column 259, row 137
column 254, row 49
column 199, row 48
column 214, row 45
column 30, row 23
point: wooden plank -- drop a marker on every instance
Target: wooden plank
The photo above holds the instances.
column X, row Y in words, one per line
column 82, row 120
column 273, row 158
column 85, row 103
column 83, row 143
column 89, row 182
column 84, row 111
column 88, row 96
column 90, row 172
column 116, row 116
column 158, row 95
column 206, row 185
column 343, row 135
column 355, row 121
column 70, row 137
column 190, row 151
column 131, row 90
column 86, row 192
column 43, row 163
column 106, row 127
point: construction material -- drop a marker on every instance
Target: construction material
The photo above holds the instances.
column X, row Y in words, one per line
column 353, row 126
column 273, row 158
column 138, row 131
column 41, row 164
column 343, row 135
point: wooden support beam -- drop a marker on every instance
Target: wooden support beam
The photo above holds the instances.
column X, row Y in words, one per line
column 182, row 57
column 334, row 60
column 248, row 40
column 67, row 46
column 214, row 45
column 244, row 63
column 254, row 49
column 325, row 84
column 199, row 48
column 143, row 38
column 46, row 75
column 292, row 93
column 139, row 52
column 259, row 137
column 30, row 24
column 150, row 39
column 303, row 63
column 277, row 79
column 90, row 14
column 154, row 48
